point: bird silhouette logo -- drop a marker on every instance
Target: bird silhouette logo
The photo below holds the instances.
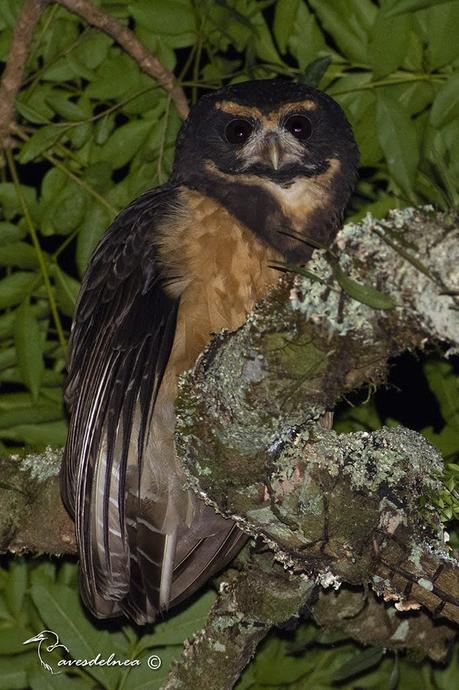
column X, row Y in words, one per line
column 48, row 642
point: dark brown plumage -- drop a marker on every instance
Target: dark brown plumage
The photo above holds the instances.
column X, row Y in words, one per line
column 181, row 262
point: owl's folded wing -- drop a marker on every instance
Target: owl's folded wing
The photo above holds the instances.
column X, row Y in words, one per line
column 121, row 340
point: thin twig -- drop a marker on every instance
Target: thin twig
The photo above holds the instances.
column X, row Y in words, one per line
column 39, row 252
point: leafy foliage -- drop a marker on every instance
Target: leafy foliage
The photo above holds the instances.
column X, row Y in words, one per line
column 94, row 132
column 42, row 596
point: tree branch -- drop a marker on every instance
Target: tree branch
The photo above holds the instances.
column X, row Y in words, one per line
column 332, row 508
column 29, row 16
column 147, row 62
column 13, row 73
column 32, row 516
column 250, row 604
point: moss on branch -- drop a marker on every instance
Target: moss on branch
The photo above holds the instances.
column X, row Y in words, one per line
column 332, row 508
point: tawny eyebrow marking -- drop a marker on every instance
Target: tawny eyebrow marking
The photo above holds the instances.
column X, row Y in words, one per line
column 271, row 118
column 237, row 109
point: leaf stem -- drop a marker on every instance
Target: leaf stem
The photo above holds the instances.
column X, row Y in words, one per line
column 81, row 183
column 39, row 252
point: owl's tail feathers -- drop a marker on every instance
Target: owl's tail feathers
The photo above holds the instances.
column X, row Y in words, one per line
column 165, row 569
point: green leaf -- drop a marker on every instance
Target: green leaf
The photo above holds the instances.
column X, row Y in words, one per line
column 388, row 44
column 69, row 210
column 18, row 254
column 284, row 19
column 96, row 221
column 165, row 17
column 314, row 72
column 60, row 102
column 5, row 43
column 398, row 140
column 403, row 6
column 81, row 134
column 181, row 626
column 60, row 608
column 364, row 129
column 16, row 586
column 33, row 106
column 12, row 640
column 9, row 200
column 7, row 359
column 57, row 192
column 291, row 268
column 442, row 23
column 359, row 663
column 346, row 21
column 116, row 75
column 15, row 287
column 262, row 42
column 53, row 183
column 13, row 676
column 41, row 680
column 41, row 141
column 362, row 293
column 104, row 128
column 78, row 67
column 27, row 341
column 93, row 48
column 274, row 666
column 34, row 413
column 10, row 233
column 142, row 677
column 60, row 71
column 446, row 104
column 124, row 143
column 444, row 383
column 67, row 289
column 46, row 434
column 306, row 39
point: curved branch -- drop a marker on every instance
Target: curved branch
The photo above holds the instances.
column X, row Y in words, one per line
column 250, row 604
column 13, row 73
column 333, row 509
column 147, row 62
column 339, row 507
column 29, row 16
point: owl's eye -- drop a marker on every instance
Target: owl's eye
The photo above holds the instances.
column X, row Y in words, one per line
column 299, row 126
column 238, row 131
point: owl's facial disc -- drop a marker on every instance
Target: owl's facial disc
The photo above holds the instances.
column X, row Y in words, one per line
column 265, row 130
column 274, row 147
column 281, row 145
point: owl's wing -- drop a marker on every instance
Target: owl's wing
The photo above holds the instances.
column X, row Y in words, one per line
column 120, row 344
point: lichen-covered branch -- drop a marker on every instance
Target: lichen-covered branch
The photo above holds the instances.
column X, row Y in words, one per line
column 359, row 614
column 345, row 508
column 251, row 602
column 32, row 516
column 332, row 509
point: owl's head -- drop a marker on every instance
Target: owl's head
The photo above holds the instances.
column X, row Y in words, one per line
column 272, row 129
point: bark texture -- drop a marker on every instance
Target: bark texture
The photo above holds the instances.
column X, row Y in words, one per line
column 333, row 516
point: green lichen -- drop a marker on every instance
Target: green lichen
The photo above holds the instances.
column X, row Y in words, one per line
column 426, row 584
column 401, row 632
column 42, row 466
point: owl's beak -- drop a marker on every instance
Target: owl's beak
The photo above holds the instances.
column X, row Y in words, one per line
column 272, row 150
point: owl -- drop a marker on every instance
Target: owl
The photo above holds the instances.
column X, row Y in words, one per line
column 181, row 262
